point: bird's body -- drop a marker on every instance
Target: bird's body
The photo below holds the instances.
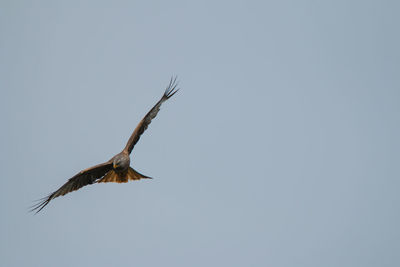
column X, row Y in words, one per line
column 121, row 171
column 117, row 169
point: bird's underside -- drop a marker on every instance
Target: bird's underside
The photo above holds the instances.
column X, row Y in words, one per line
column 117, row 169
column 124, row 177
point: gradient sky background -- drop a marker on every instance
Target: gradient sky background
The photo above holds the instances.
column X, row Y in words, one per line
column 281, row 149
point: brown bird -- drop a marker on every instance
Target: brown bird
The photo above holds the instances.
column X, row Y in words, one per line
column 117, row 169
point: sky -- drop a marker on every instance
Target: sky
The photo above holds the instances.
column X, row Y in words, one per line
column 281, row 148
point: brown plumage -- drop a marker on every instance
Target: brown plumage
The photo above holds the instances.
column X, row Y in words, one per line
column 115, row 177
column 117, row 169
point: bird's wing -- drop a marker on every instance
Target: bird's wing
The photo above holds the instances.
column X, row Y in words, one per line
column 81, row 179
column 144, row 123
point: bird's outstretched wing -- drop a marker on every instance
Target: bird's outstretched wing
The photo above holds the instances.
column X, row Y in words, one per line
column 144, row 123
column 81, row 179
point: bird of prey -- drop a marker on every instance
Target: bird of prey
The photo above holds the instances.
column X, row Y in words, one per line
column 117, row 169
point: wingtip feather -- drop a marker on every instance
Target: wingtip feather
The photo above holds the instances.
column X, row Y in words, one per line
column 39, row 206
column 171, row 88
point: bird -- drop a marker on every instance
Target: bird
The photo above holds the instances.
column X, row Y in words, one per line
column 117, row 169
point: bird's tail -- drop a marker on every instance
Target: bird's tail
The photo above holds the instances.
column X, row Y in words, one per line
column 114, row 177
column 137, row 175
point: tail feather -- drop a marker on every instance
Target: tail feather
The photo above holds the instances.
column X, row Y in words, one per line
column 110, row 177
column 113, row 177
column 134, row 175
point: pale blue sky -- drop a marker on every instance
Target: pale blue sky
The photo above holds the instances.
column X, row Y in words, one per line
column 281, row 149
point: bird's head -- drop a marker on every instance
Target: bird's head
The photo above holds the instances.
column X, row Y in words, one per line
column 121, row 162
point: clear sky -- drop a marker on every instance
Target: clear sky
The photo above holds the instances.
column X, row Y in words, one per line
column 281, row 149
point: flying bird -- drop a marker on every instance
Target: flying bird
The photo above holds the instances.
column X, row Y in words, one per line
column 117, row 169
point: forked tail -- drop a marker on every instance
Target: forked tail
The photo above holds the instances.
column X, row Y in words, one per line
column 114, row 177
